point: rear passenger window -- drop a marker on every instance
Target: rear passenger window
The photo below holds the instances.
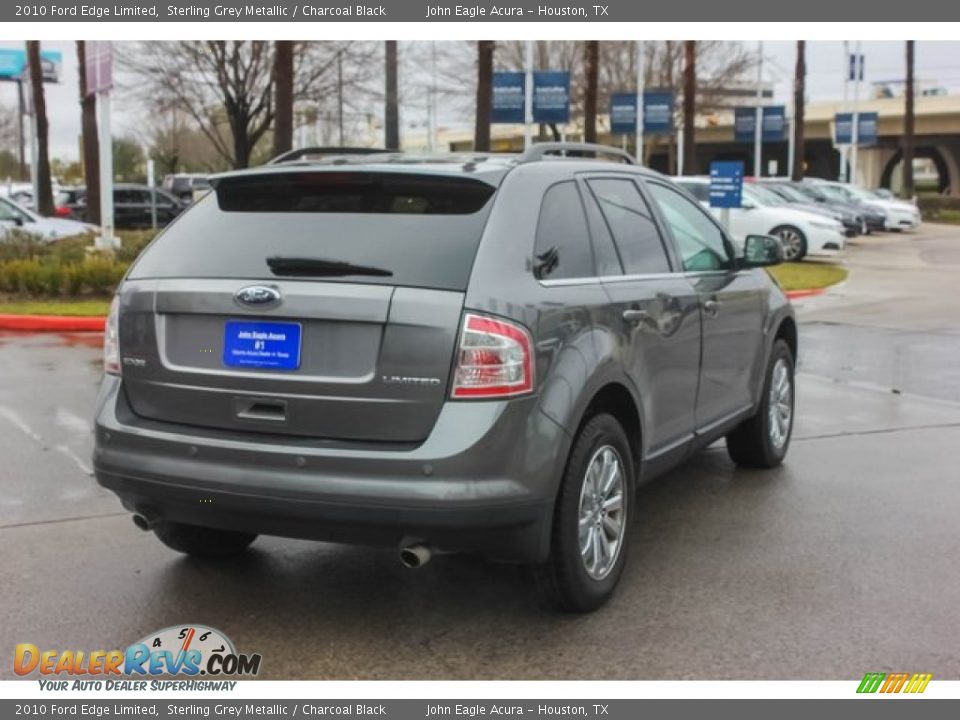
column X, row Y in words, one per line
column 562, row 247
column 631, row 223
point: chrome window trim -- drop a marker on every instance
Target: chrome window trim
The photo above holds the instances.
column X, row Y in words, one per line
column 593, row 280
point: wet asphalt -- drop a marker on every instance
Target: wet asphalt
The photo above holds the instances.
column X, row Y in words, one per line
column 842, row 561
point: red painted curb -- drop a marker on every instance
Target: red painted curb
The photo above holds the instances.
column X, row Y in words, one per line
column 796, row 294
column 52, row 323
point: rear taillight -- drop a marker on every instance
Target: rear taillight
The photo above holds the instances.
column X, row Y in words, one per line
column 62, row 212
column 494, row 359
column 111, row 339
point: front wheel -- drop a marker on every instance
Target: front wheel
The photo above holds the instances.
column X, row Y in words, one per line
column 794, row 242
column 590, row 528
column 761, row 441
column 202, row 541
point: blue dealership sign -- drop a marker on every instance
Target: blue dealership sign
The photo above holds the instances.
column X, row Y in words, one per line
column 726, row 184
column 658, row 112
column 13, row 64
column 774, row 123
column 774, row 128
column 866, row 128
column 507, row 105
column 551, row 96
column 623, row 113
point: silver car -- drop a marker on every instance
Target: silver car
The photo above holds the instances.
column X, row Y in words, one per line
column 473, row 353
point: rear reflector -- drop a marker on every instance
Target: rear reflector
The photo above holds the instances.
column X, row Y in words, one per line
column 495, row 359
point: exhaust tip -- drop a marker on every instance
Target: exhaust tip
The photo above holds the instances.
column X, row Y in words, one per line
column 415, row 556
column 144, row 522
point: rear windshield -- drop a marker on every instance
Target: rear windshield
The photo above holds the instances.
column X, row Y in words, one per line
column 422, row 229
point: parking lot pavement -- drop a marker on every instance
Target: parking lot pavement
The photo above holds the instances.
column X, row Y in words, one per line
column 843, row 561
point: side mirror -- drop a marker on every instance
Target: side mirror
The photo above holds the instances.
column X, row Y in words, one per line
column 747, row 205
column 18, row 221
column 761, row 251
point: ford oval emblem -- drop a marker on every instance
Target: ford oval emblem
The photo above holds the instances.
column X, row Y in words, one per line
column 261, row 296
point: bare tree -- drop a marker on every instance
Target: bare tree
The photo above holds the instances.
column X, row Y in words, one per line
column 90, row 140
column 226, row 87
column 481, row 138
column 283, row 96
column 799, row 105
column 592, row 80
column 908, row 126
column 44, row 191
column 689, row 106
column 391, row 110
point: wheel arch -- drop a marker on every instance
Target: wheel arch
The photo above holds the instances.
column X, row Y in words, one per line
column 614, row 398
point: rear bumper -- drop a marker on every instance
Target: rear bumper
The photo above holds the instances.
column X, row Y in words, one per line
column 484, row 481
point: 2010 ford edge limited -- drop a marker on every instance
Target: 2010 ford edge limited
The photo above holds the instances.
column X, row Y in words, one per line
column 466, row 353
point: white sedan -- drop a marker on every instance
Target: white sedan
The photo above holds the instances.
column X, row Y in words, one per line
column 765, row 213
column 15, row 217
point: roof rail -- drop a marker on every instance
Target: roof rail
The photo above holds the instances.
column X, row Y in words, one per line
column 300, row 153
column 539, row 150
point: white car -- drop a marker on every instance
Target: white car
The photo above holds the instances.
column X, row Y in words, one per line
column 765, row 213
column 16, row 217
column 900, row 215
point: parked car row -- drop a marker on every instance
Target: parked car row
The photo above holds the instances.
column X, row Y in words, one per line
column 811, row 217
column 132, row 205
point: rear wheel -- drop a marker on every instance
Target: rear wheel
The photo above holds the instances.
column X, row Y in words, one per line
column 762, row 440
column 202, row 541
column 794, row 242
column 590, row 528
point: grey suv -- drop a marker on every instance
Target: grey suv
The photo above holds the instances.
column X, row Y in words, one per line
column 472, row 353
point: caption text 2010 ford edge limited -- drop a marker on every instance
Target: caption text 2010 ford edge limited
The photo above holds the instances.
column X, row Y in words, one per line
column 467, row 353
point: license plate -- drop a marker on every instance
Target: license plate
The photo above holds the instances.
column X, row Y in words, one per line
column 271, row 345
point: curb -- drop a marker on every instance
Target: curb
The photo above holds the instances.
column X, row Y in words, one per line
column 52, row 323
column 797, row 294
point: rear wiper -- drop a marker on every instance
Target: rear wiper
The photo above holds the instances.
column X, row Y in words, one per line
column 318, row 267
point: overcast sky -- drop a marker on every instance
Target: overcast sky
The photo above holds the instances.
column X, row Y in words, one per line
column 938, row 63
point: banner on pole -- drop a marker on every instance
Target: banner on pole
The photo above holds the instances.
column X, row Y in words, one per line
column 658, row 112
column 623, row 113
column 551, row 96
column 98, row 67
column 774, row 128
column 508, row 95
column 866, row 128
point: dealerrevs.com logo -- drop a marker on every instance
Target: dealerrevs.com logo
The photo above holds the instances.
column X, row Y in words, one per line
column 188, row 651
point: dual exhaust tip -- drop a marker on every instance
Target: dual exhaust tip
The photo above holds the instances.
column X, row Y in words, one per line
column 412, row 554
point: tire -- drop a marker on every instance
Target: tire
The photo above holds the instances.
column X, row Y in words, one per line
column 574, row 580
column 202, row 541
column 762, row 440
column 794, row 242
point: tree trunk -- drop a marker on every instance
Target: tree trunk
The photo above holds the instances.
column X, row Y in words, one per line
column 391, row 114
column 45, row 193
column 689, row 106
column 283, row 95
column 91, row 143
column 799, row 99
column 592, row 70
column 908, row 127
column 481, row 138
column 672, row 139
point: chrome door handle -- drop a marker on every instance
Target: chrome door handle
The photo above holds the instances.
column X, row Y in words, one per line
column 635, row 316
column 711, row 307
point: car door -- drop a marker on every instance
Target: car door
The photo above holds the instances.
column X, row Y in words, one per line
column 653, row 309
column 730, row 302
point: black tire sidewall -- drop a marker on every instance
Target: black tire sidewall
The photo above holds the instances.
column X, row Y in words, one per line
column 577, row 590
